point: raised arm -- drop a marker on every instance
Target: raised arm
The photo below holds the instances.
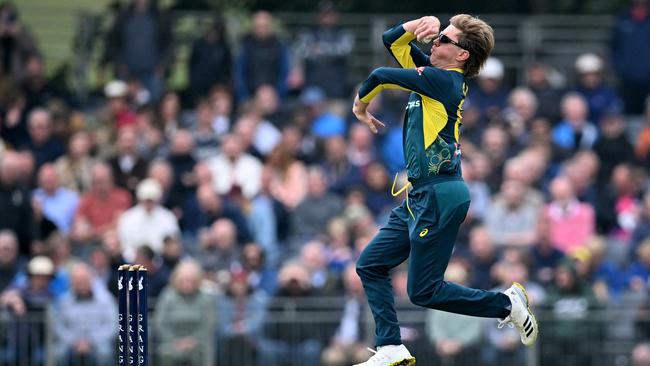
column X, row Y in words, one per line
column 428, row 82
column 399, row 41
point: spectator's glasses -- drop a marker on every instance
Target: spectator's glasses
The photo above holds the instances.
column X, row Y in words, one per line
column 442, row 38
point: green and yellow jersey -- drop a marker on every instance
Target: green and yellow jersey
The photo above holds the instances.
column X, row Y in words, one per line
column 433, row 113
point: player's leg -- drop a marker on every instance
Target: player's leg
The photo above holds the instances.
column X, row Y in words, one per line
column 433, row 234
column 386, row 250
column 439, row 210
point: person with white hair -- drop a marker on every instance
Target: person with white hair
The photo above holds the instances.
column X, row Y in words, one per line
column 148, row 222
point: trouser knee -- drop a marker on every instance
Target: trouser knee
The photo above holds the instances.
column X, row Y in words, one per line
column 426, row 297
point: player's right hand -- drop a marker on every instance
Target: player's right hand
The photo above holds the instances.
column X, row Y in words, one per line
column 428, row 27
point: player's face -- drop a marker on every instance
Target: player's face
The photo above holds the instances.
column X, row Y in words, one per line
column 445, row 49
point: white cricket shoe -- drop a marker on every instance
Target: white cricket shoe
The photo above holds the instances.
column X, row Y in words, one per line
column 520, row 314
column 389, row 356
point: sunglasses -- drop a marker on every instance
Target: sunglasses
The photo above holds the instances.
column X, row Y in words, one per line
column 442, row 38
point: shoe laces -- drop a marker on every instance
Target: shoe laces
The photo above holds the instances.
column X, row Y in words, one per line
column 505, row 322
column 377, row 357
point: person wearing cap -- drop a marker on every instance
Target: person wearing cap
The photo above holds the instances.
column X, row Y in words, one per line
column 118, row 112
column 488, row 96
column 148, row 222
column 424, row 227
column 601, row 99
column 28, row 301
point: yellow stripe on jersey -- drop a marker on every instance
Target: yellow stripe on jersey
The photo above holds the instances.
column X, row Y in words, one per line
column 402, row 50
column 373, row 93
column 434, row 119
column 459, row 115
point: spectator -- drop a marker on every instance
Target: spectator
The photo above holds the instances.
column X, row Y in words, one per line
column 260, row 276
column 316, row 209
column 75, row 167
column 99, row 208
column 264, row 59
column 157, row 275
column 57, row 204
column 642, row 147
column 601, row 99
column 170, row 114
column 207, row 207
column 172, row 254
column 482, row 257
column 341, row 174
column 638, row 273
column 571, row 222
column 86, row 321
column 376, row 185
column 263, row 220
column 241, row 316
column 339, row 249
column 544, row 255
column 545, row 82
column 361, row 149
column 37, row 90
column 323, row 122
column 575, row 131
column 314, row 258
column 617, row 203
column 489, row 96
column 219, row 251
column 455, row 337
column 511, row 219
column 11, row 263
column 118, row 112
column 349, row 343
column 234, row 168
column 15, row 203
column 17, row 43
column 184, row 319
column 148, row 213
column 630, row 61
column 258, row 135
column 520, row 112
column 129, row 168
column 641, row 354
column 570, row 302
column 161, row 171
column 478, row 191
column 613, row 146
column 45, row 147
column 140, row 44
column 210, row 60
column 206, row 134
column 28, row 303
column 323, row 53
column 182, row 163
column 288, row 176
column 297, row 342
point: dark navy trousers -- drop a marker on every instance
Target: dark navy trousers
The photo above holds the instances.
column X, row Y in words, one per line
column 425, row 230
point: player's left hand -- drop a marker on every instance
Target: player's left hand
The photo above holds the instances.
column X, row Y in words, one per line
column 361, row 112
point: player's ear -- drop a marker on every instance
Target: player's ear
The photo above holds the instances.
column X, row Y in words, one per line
column 462, row 56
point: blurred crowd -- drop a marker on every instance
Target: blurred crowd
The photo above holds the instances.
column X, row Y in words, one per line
column 255, row 188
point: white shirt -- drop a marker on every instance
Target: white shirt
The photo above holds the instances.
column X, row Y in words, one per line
column 245, row 172
column 137, row 227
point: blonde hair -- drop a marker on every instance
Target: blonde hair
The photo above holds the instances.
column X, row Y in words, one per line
column 477, row 38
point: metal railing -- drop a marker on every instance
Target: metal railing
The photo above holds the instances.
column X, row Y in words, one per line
column 557, row 39
column 300, row 332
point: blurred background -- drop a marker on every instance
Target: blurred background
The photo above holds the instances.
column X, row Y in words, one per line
column 212, row 141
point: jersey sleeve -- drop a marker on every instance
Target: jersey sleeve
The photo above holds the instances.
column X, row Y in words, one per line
column 430, row 83
column 400, row 44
